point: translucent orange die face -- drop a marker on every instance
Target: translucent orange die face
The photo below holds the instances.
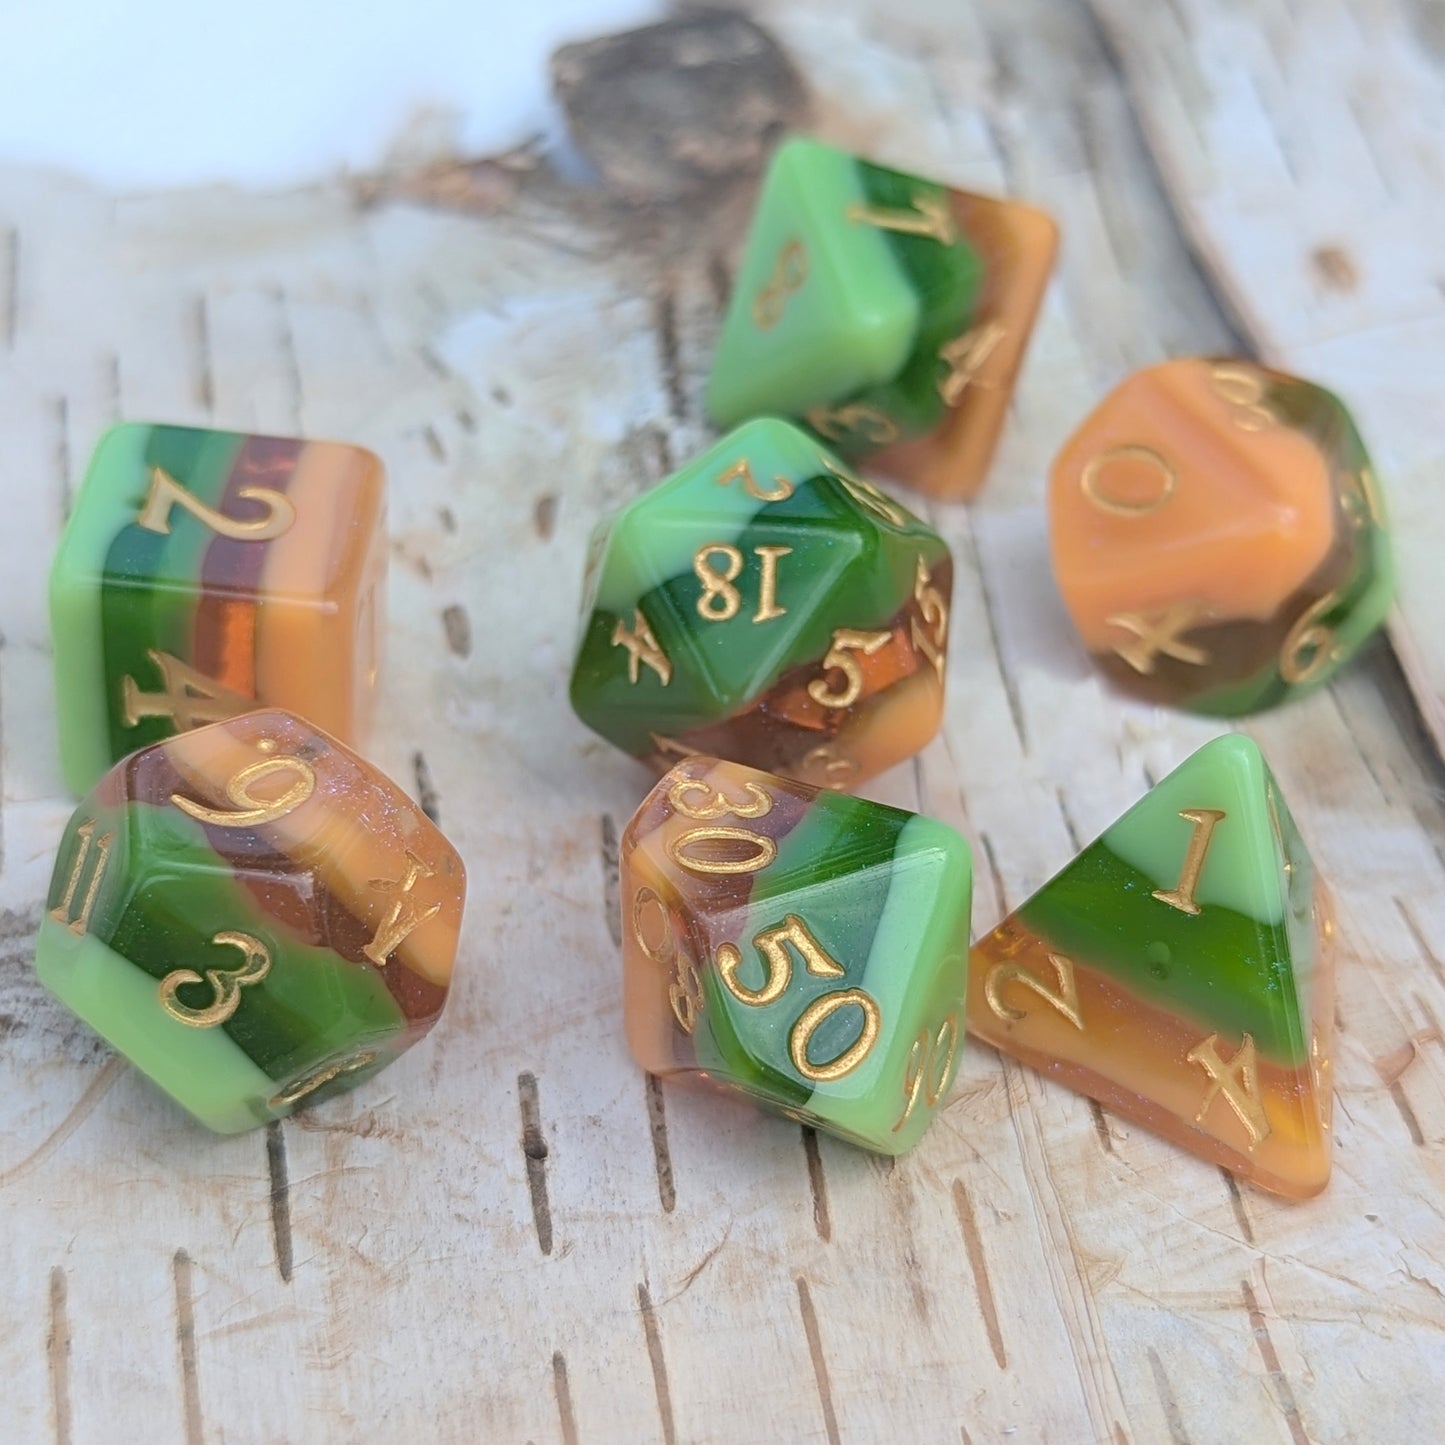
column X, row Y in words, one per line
column 1218, row 535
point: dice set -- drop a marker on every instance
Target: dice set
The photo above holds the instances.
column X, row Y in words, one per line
column 258, row 919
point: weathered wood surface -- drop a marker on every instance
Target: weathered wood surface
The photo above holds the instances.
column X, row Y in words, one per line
column 512, row 1235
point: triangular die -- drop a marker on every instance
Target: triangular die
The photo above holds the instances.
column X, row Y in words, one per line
column 1178, row 970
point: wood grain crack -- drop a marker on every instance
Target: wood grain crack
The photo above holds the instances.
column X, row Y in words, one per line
column 661, row 1149
column 1172, row 1415
column 820, row 1365
column 57, row 1354
column 280, row 1197
column 818, row 1183
column 973, row 1247
column 186, row 1345
column 535, row 1151
column 1284, row 1391
column 611, row 882
column 653, row 1337
column 563, row 1392
column 427, row 797
column 669, row 354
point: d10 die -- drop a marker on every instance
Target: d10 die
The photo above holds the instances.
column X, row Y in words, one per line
column 255, row 917
column 1180, row 970
column 1218, row 535
column 766, row 605
column 806, row 949
column 889, row 312
column 203, row 571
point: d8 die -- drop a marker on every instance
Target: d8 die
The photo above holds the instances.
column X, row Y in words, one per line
column 1218, row 535
column 806, row 949
column 764, row 604
column 202, row 572
column 887, row 311
column 1181, row 971
column 253, row 916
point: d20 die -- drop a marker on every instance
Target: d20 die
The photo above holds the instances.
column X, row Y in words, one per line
column 887, row 311
column 1180, row 970
column 252, row 915
column 203, row 573
column 766, row 605
column 805, row 949
column 1218, row 535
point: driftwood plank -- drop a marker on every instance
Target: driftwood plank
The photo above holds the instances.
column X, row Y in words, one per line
column 512, row 1234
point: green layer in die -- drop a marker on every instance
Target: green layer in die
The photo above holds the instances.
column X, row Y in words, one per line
column 850, row 564
column 1244, row 963
column 887, row 895
column 165, row 895
column 117, row 589
column 867, row 320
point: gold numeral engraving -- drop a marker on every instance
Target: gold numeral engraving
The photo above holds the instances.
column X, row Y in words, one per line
column 772, row 946
column 1205, row 821
column 927, row 1069
column 61, row 912
column 719, row 600
column 789, row 274
column 828, row 768
column 683, row 850
column 404, row 916
column 816, row 1014
column 931, row 638
column 684, row 989
column 189, row 700
column 930, row 216
column 716, row 803
column 248, row 811
column 846, row 641
column 874, row 501
column 1237, row 1080
column 166, row 492
column 226, row 984
column 641, row 648
column 965, row 356
column 1160, row 633
column 671, row 748
column 1092, row 480
column 309, row 1082
column 1244, row 390
column 1309, row 646
column 782, row 488
column 872, row 427
column 1064, row 996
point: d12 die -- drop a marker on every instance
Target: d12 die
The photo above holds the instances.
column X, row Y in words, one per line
column 887, row 311
column 1218, row 535
column 806, row 949
column 252, row 915
column 204, row 572
column 1180, row 970
column 766, row 605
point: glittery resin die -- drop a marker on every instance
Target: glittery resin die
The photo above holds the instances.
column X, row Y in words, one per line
column 254, row 916
column 1218, row 535
column 203, row 573
column 805, row 949
column 888, row 312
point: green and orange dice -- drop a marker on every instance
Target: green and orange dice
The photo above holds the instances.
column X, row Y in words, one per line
column 203, row 573
column 806, row 949
column 889, row 313
column 766, row 605
column 1218, row 535
column 1180, row 971
column 253, row 916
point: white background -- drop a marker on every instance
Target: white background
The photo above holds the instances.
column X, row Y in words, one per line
column 157, row 93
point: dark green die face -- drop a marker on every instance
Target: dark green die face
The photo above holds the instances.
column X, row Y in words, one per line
column 854, row 284
column 764, row 604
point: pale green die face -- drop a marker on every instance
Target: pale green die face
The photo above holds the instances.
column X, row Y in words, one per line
column 853, row 279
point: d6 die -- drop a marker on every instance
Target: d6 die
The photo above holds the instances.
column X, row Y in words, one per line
column 1218, row 535
column 204, row 571
column 889, row 312
column 253, row 916
column 806, row 949
column 766, row 605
